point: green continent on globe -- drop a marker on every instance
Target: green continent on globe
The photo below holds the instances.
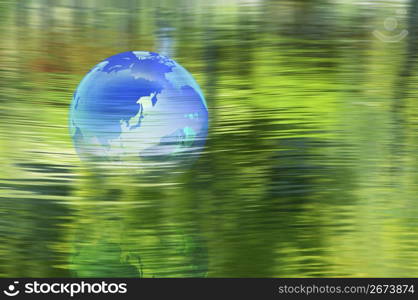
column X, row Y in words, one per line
column 138, row 107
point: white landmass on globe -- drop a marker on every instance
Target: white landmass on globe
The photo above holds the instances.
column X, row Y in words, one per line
column 134, row 140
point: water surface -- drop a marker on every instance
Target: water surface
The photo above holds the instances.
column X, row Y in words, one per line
column 310, row 167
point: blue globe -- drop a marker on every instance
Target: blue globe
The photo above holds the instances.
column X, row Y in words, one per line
column 141, row 109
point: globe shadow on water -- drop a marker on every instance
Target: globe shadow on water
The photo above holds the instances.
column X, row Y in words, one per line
column 123, row 232
column 178, row 255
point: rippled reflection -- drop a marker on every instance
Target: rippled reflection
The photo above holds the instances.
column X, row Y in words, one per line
column 309, row 168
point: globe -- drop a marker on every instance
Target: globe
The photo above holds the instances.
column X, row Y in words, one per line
column 138, row 109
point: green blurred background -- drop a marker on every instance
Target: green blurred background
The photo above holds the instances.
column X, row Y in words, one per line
column 310, row 168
